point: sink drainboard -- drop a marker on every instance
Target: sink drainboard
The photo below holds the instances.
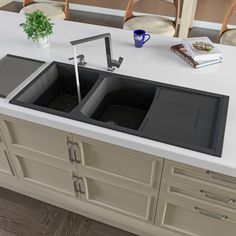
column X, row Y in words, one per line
column 14, row 70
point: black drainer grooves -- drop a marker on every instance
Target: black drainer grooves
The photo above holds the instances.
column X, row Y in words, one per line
column 14, row 70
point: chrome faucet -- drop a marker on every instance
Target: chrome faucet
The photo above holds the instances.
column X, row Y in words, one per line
column 111, row 63
column 80, row 59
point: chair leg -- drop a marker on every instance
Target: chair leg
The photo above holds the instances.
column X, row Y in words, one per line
column 27, row 2
column 186, row 18
column 67, row 10
column 193, row 13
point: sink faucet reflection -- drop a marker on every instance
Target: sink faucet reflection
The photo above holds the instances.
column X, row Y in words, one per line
column 111, row 63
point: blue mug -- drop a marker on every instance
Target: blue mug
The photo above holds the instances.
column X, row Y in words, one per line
column 139, row 38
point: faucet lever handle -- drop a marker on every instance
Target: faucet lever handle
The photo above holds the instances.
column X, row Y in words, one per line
column 120, row 61
column 81, row 59
column 117, row 63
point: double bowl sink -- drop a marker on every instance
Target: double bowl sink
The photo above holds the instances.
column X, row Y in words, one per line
column 179, row 116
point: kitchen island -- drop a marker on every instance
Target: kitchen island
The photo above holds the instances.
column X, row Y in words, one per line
column 29, row 136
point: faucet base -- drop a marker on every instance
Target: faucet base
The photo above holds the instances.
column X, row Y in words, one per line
column 110, row 69
column 82, row 63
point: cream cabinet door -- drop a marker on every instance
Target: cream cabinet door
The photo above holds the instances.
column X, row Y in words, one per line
column 191, row 217
column 118, row 161
column 118, row 197
column 117, row 178
column 41, row 155
column 5, row 163
column 23, row 135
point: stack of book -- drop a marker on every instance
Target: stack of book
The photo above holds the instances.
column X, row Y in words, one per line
column 198, row 52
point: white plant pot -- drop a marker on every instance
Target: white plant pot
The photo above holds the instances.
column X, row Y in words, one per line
column 41, row 42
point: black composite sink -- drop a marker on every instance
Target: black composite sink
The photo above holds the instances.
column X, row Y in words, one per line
column 120, row 102
column 179, row 116
column 189, row 118
column 54, row 90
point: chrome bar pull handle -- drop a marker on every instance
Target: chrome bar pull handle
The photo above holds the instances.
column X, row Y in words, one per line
column 81, row 185
column 216, row 197
column 75, row 182
column 71, row 155
column 211, row 214
column 76, row 151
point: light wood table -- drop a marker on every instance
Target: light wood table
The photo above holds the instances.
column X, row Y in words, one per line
column 188, row 14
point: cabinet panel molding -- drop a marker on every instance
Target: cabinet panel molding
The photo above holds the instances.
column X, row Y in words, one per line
column 45, row 174
column 122, row 180
column 192, row 203
column 208, row 192
column 5, row 163
column 186, row 173
column 117, row 180
column 128, row 164
column 37, row 138
column 117, row 198
column 191, row 218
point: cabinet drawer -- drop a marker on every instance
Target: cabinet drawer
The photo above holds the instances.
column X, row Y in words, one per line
column 186, row 173
column 120, row 199
column 208, row 192
column 57, row 177
column 37, row 138
column 192, row 217
column 124, row 163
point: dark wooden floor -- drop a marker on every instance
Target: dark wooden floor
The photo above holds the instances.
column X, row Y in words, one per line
column 25, row 216
column 113, row 21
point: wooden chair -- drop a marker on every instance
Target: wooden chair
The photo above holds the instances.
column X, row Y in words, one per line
column 150, row 23
column 52, row 9
column 228, row 36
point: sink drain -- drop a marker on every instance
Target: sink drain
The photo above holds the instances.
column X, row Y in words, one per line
column 111, row 122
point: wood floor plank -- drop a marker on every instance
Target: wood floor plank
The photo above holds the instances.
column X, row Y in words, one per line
column 20, row 226
column 70, row 226
column 50, row 213
column 18, row 219
column 85, row 226
column 52, row 218
column 19, row 199
column 21, row 209
column 4, row 233
column 99, row 229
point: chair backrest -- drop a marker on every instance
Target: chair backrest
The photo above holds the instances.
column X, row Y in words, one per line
column 229, row 13
column 130, row 6
column 66, row 2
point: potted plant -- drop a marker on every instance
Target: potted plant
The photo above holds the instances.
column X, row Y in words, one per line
column 38, row 28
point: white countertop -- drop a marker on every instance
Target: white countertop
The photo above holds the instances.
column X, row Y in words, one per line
column 154, row 61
